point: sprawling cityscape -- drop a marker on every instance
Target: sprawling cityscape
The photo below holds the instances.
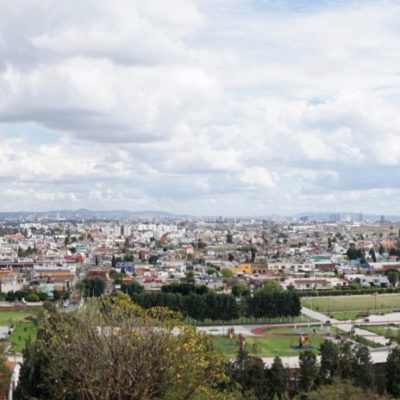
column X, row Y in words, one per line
column 259, row 288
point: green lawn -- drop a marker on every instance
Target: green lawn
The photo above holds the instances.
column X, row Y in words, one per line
column 22, row 331
column 360, row 303
column 264, row 346
column 7, row 316
column 388, row 331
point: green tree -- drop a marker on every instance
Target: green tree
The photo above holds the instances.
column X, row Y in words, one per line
column 345, row 360
column 393, row 372
column 132, row 287
column 93, row 287
column 277, row 379
column 363, row 368
column 250, row 374
column 308, row 370
column 329, row 361
column 372, row 254
column 226, row 273
column 113, row 349
column 393, row 276
column 32, row 298
column 240, row 289
column 341, row 389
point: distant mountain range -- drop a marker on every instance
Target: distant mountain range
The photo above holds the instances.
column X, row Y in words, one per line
column 85, row 213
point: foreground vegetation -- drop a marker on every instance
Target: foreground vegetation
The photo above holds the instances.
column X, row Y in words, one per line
column 114, row 349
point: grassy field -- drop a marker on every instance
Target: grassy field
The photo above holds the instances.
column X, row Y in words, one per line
column 266, row 346
column 346, row 304
column 7, row 316
column 388, row 331
column 22, row 331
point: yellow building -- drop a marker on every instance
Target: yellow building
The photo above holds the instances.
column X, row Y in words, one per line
column 251, row 268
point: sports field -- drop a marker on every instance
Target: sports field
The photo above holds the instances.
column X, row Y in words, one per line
column 278, row 342
column 359, row 303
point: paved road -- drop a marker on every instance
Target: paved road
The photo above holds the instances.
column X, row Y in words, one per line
column 377, row 357
column 344, row 326
column 222, row 330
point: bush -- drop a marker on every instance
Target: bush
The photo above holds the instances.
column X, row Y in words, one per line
column 42, row 296
column 32, row 297
column 10, row 296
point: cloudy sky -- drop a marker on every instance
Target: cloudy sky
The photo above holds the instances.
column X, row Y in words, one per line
column 222, row 107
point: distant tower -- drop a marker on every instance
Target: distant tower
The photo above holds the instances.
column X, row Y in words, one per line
column 382, row 220
column 360, row 217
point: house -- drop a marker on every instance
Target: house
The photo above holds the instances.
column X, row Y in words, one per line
column 312, row 284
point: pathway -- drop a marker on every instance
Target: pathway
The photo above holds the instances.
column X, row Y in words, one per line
column 345, row 326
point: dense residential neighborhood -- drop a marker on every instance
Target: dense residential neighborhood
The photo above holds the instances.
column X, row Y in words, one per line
column 53, row 258
column 210, row 270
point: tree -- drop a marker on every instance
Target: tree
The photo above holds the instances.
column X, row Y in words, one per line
column 372, row 254
column 253, row 254
column 341, row 389
column 393, row 276
column 329, row 361
column 345, row 360
column 153, row 259
column 113, row 261
column 240, row 289
column 393, row 372
column 352, row 252
column 226, row 273
column 277, row 379
column 32, row 298
column 5, row 373
column 113, row 349
column 132, row 287
column 308, row 370
column 93, row 287
column 381, row 249
column 229, row 238
column 363, row 369
column 250, row 374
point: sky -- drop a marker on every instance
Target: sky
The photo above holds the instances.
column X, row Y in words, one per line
column 202, row 107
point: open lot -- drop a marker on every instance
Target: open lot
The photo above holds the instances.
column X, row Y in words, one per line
column 349, row 307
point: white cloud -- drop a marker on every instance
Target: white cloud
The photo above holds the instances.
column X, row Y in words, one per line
column 199, row 106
